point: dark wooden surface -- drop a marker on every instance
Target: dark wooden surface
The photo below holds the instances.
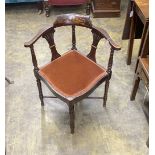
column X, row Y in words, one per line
column 72, row 20
column 142, row 9
column 136, row 25
column 141, row 74
column 46, row 5
column 142, row 66
column 144, row 46
column 106, row 8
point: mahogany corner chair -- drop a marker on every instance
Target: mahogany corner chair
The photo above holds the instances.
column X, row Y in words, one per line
column 72, row 76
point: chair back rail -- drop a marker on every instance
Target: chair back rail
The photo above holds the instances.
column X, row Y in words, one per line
column 72, row 19
column 78, row 20
column 75, row 20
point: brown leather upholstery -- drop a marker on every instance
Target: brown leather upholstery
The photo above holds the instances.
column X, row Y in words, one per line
column 72, row 74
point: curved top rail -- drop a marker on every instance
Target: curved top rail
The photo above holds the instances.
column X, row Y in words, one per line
column 72, row 19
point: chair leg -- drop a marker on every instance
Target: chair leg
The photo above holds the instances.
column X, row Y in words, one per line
column 88, row 8
column 40, row 6
column 72, row 117
column 147, row 142
column 105, row 93
column 135, row 88
column 40, row 91
column 47, row 8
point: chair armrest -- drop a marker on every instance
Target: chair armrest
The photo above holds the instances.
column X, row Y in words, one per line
column 114, row 45
column 36, row 37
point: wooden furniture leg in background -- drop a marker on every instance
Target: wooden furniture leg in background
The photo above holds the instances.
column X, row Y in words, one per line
column 144, row 45
column 142, row 73
column 47, row 5
column 88, row 7
column 47, row 8
column 135, row 88
column 131, row 39
column 40, row 6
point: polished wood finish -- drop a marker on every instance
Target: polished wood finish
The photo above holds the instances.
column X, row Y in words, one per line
column 142, row 67
column 92, row 54
column 36, row 69
column 144, row 48
column 110, row 63
column 72, row 20
column 131, row 38
column 106, row 8
column 136, row 25
column 141, row 74
column 47, row 7
column 142, row 9
column 127, row 25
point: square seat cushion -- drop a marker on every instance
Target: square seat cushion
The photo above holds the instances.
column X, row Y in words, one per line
column 72, row 74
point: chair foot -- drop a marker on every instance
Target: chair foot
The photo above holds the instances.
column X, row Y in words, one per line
column 40, row 7
column 47, row 14
column 147, row 142
column 42, row 103
column 104, row 104
column 105, row 93
column 72, row 117
column 47, row 9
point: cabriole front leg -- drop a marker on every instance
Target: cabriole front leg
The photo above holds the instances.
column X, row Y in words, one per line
column 72, row 117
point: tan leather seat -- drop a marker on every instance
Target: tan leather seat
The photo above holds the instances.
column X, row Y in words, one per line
column 72, row 74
